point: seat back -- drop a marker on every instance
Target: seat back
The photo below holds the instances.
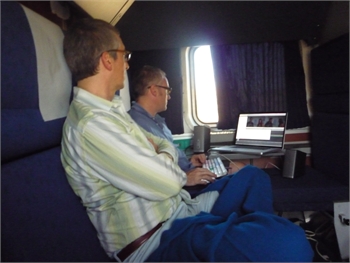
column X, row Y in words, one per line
column 42, row 220
column 330, row 102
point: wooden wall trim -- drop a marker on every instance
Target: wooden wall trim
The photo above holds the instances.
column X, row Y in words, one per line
column 295, row 137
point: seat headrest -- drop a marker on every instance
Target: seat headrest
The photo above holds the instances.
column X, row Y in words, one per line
column 36, row 82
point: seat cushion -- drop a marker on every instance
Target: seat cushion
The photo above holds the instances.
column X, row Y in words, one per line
column 42, row 219
column 23, row 132
column 313, row 191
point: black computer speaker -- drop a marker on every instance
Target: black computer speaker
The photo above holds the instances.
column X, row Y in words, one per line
column 201, row 139
column 294, row 163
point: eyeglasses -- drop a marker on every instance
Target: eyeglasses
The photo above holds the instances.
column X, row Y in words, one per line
column 127, row 54
column 163, row 87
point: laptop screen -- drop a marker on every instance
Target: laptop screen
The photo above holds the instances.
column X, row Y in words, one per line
column 261, row 129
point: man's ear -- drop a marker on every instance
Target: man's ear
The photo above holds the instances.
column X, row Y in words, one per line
column 106, row 60
column 153, row 90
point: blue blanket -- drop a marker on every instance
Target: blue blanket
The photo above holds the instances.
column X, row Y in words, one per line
column 241, row 227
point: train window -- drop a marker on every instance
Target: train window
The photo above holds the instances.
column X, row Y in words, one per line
column 203, row 88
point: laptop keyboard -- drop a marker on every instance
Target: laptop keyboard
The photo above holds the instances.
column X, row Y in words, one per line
column 216, row 166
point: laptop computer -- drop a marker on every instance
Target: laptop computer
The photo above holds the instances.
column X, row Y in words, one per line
column 258, row 134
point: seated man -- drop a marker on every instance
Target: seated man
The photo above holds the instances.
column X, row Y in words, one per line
column 131, row 186
column 151, row 92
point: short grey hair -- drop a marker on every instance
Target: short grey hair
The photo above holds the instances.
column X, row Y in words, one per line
column 143, row 78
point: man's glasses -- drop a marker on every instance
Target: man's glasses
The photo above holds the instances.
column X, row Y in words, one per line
column 127, row 54
column 163, row 87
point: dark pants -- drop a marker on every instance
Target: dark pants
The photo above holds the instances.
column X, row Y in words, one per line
column 240, row 227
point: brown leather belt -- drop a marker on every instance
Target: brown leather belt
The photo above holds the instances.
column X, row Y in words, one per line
column 130, row 248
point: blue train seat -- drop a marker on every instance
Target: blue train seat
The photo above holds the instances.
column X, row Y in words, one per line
column 42, row 220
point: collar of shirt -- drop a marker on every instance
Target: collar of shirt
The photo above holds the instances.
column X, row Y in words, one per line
column 137, row 107
column 95, row 101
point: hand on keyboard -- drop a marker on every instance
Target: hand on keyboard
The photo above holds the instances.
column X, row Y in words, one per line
column 216, row 166
column 198, row 159
column 200, row 176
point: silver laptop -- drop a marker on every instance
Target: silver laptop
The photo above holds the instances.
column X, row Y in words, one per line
column 258, row 134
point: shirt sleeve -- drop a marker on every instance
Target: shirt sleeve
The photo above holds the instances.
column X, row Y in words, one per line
column 164, row 146
column 122, row 155
column 161, row 130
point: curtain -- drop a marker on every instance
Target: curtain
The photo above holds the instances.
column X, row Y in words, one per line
column 255, row 78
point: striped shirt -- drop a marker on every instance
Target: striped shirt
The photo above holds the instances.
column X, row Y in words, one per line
column 125, row 185
column 157, row 126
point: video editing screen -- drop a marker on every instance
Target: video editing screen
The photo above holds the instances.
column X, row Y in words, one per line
column 261, row 129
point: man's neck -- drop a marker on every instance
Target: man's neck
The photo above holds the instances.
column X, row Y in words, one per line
column 96, row 88
column 147, row 106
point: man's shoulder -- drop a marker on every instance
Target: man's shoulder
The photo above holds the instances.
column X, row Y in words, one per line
column 133, row 111
column 138, row 116
column 81, row 114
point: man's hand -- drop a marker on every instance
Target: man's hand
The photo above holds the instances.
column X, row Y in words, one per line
column 198, row 159
column 200, row 176
column 157, row 150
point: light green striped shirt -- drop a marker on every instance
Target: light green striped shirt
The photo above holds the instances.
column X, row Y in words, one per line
column 126, row 187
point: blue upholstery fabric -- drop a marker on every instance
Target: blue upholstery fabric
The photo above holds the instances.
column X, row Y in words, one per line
column 42, row 220
column 314, row 191
column 330, row 145
column 23, row 130
column 18, row 59
column 330, row 102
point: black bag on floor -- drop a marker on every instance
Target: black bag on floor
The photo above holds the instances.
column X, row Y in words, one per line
column 321, row 234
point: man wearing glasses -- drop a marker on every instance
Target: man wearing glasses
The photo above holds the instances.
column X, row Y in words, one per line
column 151, row 92
column 130, row 183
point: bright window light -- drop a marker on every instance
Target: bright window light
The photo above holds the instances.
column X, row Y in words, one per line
column 205, row 89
